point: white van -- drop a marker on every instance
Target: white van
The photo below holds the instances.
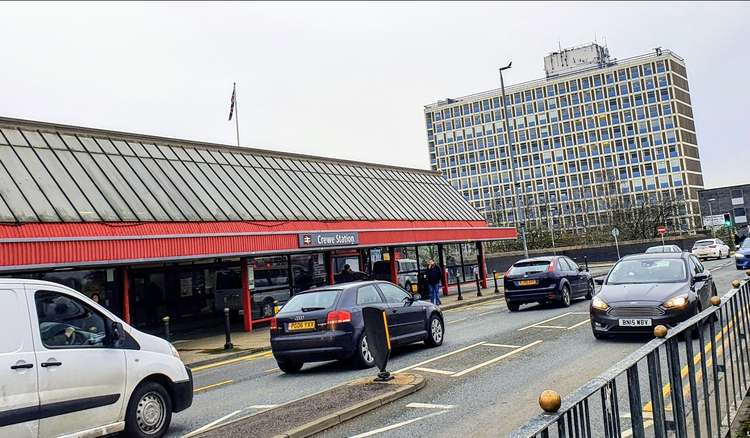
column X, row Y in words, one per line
column 69, row 367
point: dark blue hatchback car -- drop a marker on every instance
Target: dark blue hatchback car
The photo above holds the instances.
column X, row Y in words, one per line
column 326, row 323
column 742, row 255
column 544, row 279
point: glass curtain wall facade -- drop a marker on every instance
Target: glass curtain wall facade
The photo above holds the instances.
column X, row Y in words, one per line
column 623, row 131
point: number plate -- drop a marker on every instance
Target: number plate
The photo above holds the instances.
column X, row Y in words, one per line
column 528, row 282
column 301, row 325
column 635, row 323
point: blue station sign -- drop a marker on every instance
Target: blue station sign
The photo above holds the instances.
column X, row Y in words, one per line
column 317, row 240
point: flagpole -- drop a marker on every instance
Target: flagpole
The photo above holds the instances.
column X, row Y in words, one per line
column 236, row 115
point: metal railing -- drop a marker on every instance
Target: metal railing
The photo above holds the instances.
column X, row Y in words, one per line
column 686, row 393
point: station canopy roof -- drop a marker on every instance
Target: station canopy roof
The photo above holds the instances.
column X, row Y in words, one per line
column 56, row 173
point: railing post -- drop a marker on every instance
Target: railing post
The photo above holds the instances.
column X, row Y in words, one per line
column 165, row 320
column 693, row 385
column 675, row 380
column 657, row 402
column 636, row 408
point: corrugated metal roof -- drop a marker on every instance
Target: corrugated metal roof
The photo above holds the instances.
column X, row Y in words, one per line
column 57, row 173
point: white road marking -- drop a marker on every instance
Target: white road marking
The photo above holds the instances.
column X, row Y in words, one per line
column 210, row 425
column 501, row 345
column 499, row 358
column 577, row 325
column 262, row 406
column 429, row 406
column 397, row 425
column 551, row 326
column 457, row 320
column 425, row 362
column 546, row 320
column 432, row 370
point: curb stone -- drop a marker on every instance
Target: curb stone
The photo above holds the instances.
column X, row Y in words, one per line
column 356, row 410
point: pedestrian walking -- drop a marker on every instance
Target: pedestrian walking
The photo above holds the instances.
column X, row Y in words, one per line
column 434, row 280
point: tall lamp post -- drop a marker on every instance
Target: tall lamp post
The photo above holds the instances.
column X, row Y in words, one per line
column 519, row 211
column 711, row 214
column 551, row 229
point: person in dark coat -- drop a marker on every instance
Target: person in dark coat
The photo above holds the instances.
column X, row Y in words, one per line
column 346, row 275
column 434, row 280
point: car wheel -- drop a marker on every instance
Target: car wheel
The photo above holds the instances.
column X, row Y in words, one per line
column 513, row 307
column 437, row 331
column 290, row 366
column 363, row 357
column 149, row 411
column 565, row 296
column 590, row 291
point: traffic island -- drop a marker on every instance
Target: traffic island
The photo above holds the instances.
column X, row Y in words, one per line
column 315, row 413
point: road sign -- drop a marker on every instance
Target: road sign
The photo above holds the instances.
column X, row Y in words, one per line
column 662, row 230
column 615, row 232
column 716, row 220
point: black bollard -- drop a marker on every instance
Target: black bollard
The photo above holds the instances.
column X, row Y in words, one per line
column 458, row 286
column 494, row 276
column 479, row 286
column 227, row 330
column 165, row 320
column 586, row 262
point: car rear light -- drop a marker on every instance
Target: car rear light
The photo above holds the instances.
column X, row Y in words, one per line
column 338, row 317
column 551, row 266
column 274, row 323
column 507, row 273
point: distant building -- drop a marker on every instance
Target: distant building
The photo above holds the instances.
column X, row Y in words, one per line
column 732, row 200
column 593, row 130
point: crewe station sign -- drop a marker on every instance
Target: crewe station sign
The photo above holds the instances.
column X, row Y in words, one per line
column 317, row 240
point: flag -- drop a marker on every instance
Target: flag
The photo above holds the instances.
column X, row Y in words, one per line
column 234, row 97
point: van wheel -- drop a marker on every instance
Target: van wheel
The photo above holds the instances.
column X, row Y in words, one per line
column 289, row 367
column 436, row 333
column 362, row 357
column 149, row 411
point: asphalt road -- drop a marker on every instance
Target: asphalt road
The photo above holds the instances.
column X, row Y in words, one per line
column 483, row 381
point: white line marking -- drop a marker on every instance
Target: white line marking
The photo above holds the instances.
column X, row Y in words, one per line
column 499, row 358
column 576, row 325
column 210, row 425
column 262, row 406
column 429, row 406
column 432, row 370
column 542, row 322
column 579, row 313
column 501, row 345
column 397, row 425
column 457, row 320
column 425, row 362
column 551, row 326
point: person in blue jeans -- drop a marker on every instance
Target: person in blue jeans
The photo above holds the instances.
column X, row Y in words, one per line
column 434, row 279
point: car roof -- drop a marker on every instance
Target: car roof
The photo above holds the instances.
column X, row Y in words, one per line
column 341, row 286
column 537, row 259
column 657, row 255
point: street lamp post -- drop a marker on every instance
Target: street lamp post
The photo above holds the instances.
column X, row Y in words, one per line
column 519, row 218
column 711, row 214
column 551, row 230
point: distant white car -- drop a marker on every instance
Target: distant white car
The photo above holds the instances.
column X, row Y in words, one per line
column 664, row 248
column 710, row 248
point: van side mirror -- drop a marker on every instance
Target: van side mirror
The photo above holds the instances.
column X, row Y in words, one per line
column 599, row 280
column 116, row 335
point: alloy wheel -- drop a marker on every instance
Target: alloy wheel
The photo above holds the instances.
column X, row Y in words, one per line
column 366, row 354
column 437, row 331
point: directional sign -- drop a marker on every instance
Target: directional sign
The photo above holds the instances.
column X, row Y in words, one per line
column 662, row 230
column 615, row 232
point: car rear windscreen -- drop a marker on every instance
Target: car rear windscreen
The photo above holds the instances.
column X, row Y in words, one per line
column 319, row 300
column 703, row 243
column 647, row 271
column 530, row 267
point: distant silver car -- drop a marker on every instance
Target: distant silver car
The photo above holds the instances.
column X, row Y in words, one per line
column 664, row 248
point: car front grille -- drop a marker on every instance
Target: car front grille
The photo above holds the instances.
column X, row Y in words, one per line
column 635, row 311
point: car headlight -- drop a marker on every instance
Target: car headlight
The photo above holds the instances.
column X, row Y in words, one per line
column 739, row 256
column 175, row 353
column 676, row 302
column 599, row 304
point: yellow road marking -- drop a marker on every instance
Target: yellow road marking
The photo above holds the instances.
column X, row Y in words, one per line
column 262, row 354
column 225, row 382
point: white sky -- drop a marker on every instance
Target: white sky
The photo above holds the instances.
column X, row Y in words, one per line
column 345, row 80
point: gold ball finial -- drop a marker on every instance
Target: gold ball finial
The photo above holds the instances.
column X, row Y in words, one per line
column 660, row 331
column 550, row 401
column 715, row 300
column 735, row 284
column 747, row 272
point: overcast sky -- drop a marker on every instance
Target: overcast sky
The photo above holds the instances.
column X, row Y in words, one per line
column 345, row 80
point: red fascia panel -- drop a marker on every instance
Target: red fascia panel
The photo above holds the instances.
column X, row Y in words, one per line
column 82, row 243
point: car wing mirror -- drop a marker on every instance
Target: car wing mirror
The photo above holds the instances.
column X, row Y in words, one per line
column 701, row 276
column 116, row 334
column 580, row 269
column 599, row 280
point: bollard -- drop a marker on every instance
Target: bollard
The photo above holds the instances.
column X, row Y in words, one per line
column 227, row 330
column 586, row 262
column 479, row 287
column 458, row 286
column 165, row 320
column 494, row 276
